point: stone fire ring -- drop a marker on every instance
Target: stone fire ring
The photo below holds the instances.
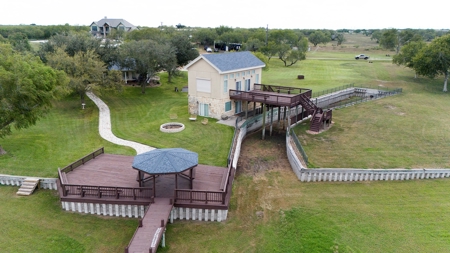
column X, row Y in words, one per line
column 171, row 127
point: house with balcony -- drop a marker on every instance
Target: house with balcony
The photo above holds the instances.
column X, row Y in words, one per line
column 212, row 76
column 104, row 26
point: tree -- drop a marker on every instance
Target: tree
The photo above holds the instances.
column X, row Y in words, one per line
column 205, row 36
column 289, row 56
column 434, row 59
column 270, row 50
column 27, row 88
column 263, row 58
column 318, row 37
column 185, row 51
column 19, row 41
column 389, row 39
column 85, row 70
column 340, row 38
column 253, row 44
column 141, row 56
column 407, row 54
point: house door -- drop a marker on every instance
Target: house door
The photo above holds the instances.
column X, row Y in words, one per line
column 238, row 107
column 203, row 110
column 238, row 85
column 247, row 85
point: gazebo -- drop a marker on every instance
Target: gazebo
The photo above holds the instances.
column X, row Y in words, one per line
column 163, row 162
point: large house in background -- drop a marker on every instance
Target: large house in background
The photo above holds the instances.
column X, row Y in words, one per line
column 211, row 76
column 104, row 26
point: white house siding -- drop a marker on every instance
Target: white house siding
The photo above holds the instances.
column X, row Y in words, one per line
column 217, row 98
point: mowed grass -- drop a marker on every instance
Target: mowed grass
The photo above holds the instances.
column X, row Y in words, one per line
column 270, row 211
column 38, row 224
column 68, row 133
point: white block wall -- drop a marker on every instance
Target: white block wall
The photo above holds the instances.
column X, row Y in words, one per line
column 184, row 213
column 44, row 183
column 132, row 211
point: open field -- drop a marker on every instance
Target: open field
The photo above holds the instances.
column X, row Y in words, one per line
column 271, row 211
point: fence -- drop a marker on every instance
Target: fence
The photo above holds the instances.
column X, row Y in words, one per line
column 328, row 91
column 298, row 145
column 357, row 96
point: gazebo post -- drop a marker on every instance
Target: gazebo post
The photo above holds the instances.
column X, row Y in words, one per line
column 176, row 181
column 190, row 177
column 154, row 186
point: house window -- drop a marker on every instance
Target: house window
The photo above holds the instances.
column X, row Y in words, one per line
column 257, row 78
column 237, row 75
column 225, row 86
column 94, row 28
column 204, row 85
column 248, row 73
column 122, row 28
column 247, row 85
column 253, row 71
column 203, row 110
column 231, row 76
column 228, row 106
column 243, row 73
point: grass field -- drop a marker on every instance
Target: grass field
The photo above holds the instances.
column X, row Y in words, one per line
column 270, row 211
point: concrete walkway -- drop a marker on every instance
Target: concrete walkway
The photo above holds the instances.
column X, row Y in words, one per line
column 104, row 127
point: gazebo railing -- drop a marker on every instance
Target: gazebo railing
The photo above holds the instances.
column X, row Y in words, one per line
column 107, row 192
column 83, row 160
column 200, row 196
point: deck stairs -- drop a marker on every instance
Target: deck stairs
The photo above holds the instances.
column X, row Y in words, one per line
column 28, row 186
column 151, row 228
column 317, row 113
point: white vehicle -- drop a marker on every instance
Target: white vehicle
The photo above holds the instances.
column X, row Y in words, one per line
column 208, row 49
column 361, row 56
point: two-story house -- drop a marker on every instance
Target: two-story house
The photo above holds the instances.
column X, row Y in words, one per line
column 104, row 26
column 211, row 76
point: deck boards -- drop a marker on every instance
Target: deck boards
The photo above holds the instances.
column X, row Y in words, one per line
column 116, row 171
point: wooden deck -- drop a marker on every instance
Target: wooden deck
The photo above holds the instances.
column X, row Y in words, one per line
column 108, row 170
column 151, row 228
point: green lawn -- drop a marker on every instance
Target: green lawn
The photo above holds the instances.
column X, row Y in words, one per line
column 409, row 130
column 68, row 133
column 38, row 224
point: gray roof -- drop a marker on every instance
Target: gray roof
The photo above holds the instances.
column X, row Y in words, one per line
column 165, row 161
column 114, row 22
column 226, row 62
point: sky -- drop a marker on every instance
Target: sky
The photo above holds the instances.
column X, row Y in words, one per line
column 301, row 14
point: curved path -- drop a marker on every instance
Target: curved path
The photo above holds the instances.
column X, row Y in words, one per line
column 104, row 127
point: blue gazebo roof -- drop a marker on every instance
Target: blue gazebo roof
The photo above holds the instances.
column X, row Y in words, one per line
column 165, row 161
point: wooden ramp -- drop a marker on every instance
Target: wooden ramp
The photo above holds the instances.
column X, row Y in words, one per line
column 151, row 228
column 28, row 186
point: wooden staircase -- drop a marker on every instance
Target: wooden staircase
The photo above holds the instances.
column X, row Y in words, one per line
column 316, row 122
column 28, row 186
column 317, row 114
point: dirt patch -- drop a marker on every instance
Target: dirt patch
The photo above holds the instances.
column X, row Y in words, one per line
column 258, row 156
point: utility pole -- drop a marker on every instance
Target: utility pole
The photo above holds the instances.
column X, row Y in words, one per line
column 267, row 33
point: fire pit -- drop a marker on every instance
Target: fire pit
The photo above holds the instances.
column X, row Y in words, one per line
column 171, row 127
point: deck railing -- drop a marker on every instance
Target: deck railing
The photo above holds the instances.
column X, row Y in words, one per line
column 83, row 160
column 196, row 196
column 106, row 192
